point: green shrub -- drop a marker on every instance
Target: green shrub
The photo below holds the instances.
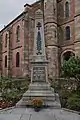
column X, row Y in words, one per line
column 68, row 92
column 12, row 89
column 64, row 95
column 73, row 102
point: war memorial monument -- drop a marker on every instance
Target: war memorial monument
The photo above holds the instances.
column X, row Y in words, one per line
column 39, row 86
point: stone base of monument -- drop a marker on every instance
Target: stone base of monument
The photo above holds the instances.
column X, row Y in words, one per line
column 40, row 90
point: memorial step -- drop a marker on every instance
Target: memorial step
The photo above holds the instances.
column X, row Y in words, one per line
column 39, row 86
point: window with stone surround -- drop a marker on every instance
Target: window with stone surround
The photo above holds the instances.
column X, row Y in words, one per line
column 6, row 38
column 68, row 33
column 18, row 34
column 17, row 59
column 67, row 9
column 6, row 61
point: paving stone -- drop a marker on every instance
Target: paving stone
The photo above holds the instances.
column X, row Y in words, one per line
column 18, row 110
column 9, row 117
column 41, row 116
column 44, row 114
column 26, row 117
column 6, row 111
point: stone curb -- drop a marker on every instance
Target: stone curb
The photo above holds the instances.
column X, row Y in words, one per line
column 71, row 111
column 1, row 110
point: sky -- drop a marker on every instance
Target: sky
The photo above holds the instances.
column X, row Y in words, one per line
column 9, row 9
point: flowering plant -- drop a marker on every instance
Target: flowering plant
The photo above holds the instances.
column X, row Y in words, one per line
column 37, row 102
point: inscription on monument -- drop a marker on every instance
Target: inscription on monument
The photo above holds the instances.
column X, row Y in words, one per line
column 39, row 74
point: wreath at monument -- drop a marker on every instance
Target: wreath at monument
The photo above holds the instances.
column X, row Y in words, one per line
column 37, row 104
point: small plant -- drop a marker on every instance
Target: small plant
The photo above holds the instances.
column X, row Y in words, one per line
column 37, row 102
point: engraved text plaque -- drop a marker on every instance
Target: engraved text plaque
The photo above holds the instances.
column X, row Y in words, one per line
column 39, row 74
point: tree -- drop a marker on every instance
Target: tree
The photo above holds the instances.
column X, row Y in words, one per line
column 71, row 68
column 71, row 74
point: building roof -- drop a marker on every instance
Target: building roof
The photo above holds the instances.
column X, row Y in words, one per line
column 12, row 21
column 26, row 5
column 32, row 4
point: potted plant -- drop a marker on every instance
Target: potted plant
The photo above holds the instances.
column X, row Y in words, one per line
column 37, row 104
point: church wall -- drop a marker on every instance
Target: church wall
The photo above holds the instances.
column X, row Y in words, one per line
column 72, row 34
column 61, row 11
column 17, row 47
column 4, row 70
column 0, row 54
column 77, row 35
column 4, row 49
column 12, row 48
column 25, row 46
column 55, row 23
column 77, row 28
column 16, row 71
column 50, row 24
column 74, row 22
column 4, row 53
column 77, row 7
column 16, row 44
column 63, row 22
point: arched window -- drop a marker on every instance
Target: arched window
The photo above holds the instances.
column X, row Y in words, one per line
column 67, row 33
column 67, row 55
column 17, row 59
column 6, row 61
column 67, row 9
column 6, row 38
column 18, row 34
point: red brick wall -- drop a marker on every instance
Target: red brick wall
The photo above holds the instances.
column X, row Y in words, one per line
column 16, row 71
column 15, row 47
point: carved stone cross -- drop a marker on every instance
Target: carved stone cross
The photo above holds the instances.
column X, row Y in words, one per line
column 39, row 25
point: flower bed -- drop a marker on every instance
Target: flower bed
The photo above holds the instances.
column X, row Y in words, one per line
column 5, row 104
column 11, row 91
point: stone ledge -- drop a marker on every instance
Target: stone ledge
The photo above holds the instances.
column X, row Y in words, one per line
column 73, row 111
column 6, row 109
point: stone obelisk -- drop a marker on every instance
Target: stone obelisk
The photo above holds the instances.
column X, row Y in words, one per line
column 39, row 86
column 39, row 62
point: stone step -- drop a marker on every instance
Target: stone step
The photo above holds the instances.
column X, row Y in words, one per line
column 46, row 97
column 38, row 92
column 39, row 87
column 43, row 95
column 24, row 102
column 40, row 84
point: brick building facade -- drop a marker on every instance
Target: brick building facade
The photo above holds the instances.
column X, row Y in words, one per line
column 62, row 37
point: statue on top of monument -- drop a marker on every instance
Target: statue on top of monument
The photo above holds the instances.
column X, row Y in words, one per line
column 39, row 39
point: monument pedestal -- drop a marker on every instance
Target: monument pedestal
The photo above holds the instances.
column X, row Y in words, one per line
column 43, row 91
column 40, row 87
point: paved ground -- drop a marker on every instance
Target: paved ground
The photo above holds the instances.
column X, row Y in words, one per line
column 44, row 114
